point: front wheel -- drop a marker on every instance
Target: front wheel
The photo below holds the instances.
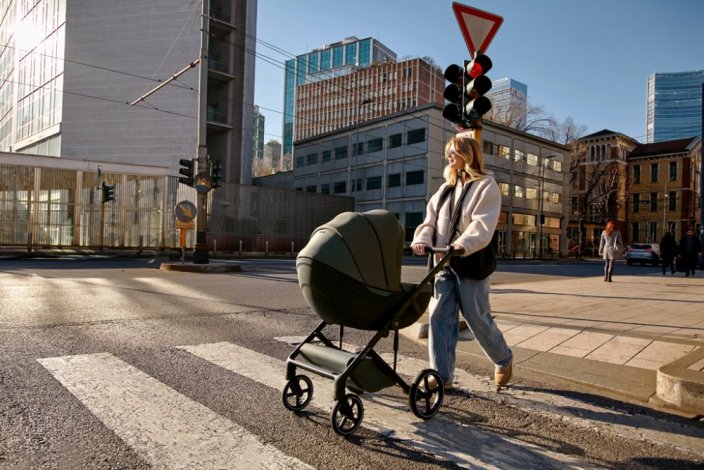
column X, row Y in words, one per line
column 297, row 393
column 347, row 415
column 425, row 395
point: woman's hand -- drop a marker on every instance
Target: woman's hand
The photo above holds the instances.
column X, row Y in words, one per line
column 419, row 248
column 459, row 249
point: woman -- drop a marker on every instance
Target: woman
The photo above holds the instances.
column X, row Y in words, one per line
column 610, row 248
column 668, row 251
column 480, row 213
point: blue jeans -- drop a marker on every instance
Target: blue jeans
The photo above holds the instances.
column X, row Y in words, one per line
column 452, row 292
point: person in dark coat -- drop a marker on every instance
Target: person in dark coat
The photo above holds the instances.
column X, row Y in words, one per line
column 668, row 251
column 690, row 248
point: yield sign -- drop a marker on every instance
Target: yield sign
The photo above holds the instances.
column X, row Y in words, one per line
column 478, row 27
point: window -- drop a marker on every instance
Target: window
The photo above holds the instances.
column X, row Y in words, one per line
column 531, row 193
column 532, row 159
column 488, row 147
column 373, row 182
column 504, row 189
column 557, row 165
column 300, row 161
column 635, row 228
column 357, row 184
column 325, row 188
column 375, row 145
column 653, row 202
column 672, row 201
column 326, row 156
column 311, row 189
column 556, row 198
column 394, row 180
column 504, row 152
column 673, row 171
column 518, row 191
column 340, row 153
column 519, row 156
column 395, row 140
column 415, row 177
column 575, row 205
column 636, row 174
column 653, row 172
column 312, row 159
column 415, row 136
column 636, row 203
column 340, row 187
column 357, row 148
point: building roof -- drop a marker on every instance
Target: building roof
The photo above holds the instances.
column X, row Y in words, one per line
column 669, row 146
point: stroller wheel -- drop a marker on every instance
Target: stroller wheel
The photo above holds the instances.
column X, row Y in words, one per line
column 297, row 393
column 347, row 415
column 425, row 398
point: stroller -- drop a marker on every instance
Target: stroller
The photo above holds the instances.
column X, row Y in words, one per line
column 350, row 275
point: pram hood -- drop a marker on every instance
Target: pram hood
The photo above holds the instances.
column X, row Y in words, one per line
column 367, row 247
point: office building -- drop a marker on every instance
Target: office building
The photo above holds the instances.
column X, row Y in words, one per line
column 379, row 90
column 509, row 102
column 258, row 144
column 272, row 154
column 395, row 162
column 674, row 106
column 69, row 69
column 331, row 60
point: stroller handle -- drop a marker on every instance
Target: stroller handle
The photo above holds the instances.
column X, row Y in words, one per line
column 443, row 249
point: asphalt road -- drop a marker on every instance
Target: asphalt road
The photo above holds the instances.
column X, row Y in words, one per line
column 109, row 363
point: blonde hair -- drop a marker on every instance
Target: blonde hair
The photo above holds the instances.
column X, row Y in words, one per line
column 470, row 151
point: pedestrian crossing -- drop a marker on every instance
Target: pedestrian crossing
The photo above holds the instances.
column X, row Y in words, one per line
column 170, row 430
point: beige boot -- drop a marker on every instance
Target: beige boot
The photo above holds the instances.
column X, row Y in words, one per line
column 503, row 374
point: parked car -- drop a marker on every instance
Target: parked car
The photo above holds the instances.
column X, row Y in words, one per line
column 643, row 253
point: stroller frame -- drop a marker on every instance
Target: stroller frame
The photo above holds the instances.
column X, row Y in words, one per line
column 425, row 395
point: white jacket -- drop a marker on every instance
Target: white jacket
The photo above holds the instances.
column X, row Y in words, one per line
column 480, row 214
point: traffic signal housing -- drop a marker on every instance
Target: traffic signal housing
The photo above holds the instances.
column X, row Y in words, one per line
column 186, row 171
column 454, row 93
column 108, row 192
column 477, row 104
column 215, row 173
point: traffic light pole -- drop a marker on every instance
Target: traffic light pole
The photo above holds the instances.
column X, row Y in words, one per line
column 200, row 251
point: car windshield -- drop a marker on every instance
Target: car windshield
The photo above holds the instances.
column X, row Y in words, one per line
column 641, row 247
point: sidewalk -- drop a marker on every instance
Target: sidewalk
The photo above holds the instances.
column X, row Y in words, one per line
column 637, row 337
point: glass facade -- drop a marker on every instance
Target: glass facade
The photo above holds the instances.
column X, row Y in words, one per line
column 330, row 61
column 674, row 106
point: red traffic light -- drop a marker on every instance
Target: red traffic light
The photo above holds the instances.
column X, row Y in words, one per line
column 479, row 66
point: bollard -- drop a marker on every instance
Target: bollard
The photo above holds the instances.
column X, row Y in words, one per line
column 215, row 246
column 292, row 249
column 141, row 241
column 266, row 248
column 29, row 242
column 240, row 248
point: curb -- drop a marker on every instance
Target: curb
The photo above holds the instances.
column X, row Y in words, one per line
column 201, row 268
column 681, row 385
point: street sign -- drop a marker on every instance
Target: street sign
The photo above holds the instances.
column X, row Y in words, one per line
column 203, row 183
column 186, row 211
column 478, row 27
column 181, row 225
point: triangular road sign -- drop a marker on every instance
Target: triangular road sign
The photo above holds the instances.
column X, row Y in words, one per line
column 478, row 27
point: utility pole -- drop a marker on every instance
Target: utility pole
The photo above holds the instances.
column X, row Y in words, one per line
column 200, row 251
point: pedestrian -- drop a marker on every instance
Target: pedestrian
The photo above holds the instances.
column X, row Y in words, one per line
column 689, row 251
column 610, row 248
column 480, row 208
column 668, row 251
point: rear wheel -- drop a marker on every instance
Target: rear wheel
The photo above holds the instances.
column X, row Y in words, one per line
column 425, row 395
column 347, row 415
column 297, row 393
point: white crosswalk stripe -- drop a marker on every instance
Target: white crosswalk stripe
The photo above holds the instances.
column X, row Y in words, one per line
column 167, row 429
column 170, row 430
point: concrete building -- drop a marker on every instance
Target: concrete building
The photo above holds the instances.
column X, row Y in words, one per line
column 69, row 69
column 331, row 60
column 509, row 102
column 674, row 106
column 272, row 154
column 378, row 90
column 258, row 145
column 395, row 162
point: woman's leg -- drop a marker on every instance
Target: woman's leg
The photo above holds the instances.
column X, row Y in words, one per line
column 477, row 312
column 606, row 269
column 443, row 330
column 610, row 271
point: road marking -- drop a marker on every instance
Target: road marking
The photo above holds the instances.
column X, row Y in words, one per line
column 166, row 428
column 460, row 444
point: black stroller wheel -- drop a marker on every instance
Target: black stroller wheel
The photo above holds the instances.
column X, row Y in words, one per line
column 347, row 415
column 297, row 393
column 425, row 398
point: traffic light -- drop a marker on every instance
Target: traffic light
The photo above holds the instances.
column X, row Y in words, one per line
column 477, row 104
column 216, row 173
column 186, row 171
column 454, row 93
column 108, row 192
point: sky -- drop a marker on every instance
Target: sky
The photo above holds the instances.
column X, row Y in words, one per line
column 589, row 60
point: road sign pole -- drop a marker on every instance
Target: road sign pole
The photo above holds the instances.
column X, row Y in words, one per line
column 200, row 252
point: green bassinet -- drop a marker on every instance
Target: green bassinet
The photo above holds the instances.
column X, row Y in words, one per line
column 350, row 273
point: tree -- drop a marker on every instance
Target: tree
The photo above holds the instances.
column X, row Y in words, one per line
column 535, row 120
